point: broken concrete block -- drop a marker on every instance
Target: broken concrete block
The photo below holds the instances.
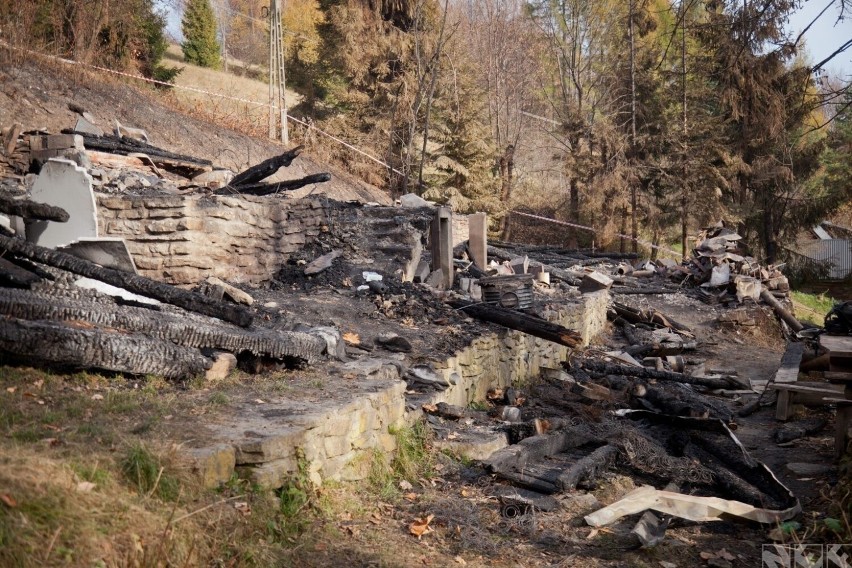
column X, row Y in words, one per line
column 464, row 284
column 748, row 287
column 335, row 346
column 520, row 264
column 109, row 252
column 422, row 272
column 477, row 240
column 543, row 277
column 232, row 292
column 88, row 127
column 223, row 364
column 62, row 142
column 595, row 281
column 721, row 275
column 214, row 178
column 64, row 184
column 412, row 200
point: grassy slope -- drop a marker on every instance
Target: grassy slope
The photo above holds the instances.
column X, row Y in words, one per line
column 225, row 84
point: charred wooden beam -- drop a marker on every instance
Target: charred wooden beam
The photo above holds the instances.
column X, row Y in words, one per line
column 32, row 210
column 602, row 368
column 13, row 275
column 277, row 187
column 188, row 332
column 266, row 168
column 532, row 325
column 131, row 282
column 125, row 145
column 55, row 344
column 587, row 469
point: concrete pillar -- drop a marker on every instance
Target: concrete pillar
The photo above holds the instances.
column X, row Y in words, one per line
column 477, row 243
column 441, row 244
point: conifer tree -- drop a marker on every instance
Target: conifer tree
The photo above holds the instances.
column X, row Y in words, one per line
column 200, row 45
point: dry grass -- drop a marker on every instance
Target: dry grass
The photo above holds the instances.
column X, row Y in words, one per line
column 244, row 117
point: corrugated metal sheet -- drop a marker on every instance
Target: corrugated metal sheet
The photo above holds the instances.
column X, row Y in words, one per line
column 835, row 252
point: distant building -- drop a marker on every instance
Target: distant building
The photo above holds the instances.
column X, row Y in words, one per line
column 826, row 252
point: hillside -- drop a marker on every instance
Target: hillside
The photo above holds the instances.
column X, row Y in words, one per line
column 37, row 93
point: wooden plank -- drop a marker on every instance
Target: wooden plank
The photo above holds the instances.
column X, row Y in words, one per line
column 782, row 406
column 788, row 371
column 838, row 376
column 804, row 388
column 838, row 345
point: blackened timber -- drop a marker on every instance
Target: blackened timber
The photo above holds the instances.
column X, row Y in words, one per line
column 32, row 210
column 15, row 276
column 55, row 344
column 130, row 282
column 532, row 325
column 277, row 187
column 602, row 368
column 179, row 329
column 266, row 168
column 125, row 145
column 587, row 469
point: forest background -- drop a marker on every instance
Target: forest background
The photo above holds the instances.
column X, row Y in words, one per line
column 648, row 118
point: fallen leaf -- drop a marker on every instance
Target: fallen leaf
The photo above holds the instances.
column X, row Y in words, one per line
column 464, row 492
column 260, row 401
column 11, row 390
column 351, row 338
column 97, row 397
column 410, row 496
column 452, row 436
column 460, row 560
column 707, row 555
column 421, row 526
column 8, row 500
column 243, row 508
column 85, row 486
column 430, row 408
column 405, row 485
column 39, row 383
column 725, row 554
column 52, row 427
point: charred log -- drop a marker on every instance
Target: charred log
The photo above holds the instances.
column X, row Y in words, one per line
column 532, row 325
column 32, row 210
column 270, row 188
column 125, row 145
column 131, row 282
column 587, row 469
column 600, row 369
column 176, row 329
column 266, row 168
column 15, row 276
column 54, row 344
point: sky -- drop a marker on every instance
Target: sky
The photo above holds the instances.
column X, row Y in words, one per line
column 824, row 37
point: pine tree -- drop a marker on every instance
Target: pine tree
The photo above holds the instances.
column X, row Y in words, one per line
column 200, row 45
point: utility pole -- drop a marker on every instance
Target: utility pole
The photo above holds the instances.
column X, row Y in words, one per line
column 277, row 81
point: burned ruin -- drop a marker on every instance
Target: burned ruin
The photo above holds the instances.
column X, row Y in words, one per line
column 540, row 363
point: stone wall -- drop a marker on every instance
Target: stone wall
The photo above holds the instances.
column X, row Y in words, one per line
column 511, row 357
column 461, row 228
column 243, row 239
column 182, row 240
column 337, row 438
